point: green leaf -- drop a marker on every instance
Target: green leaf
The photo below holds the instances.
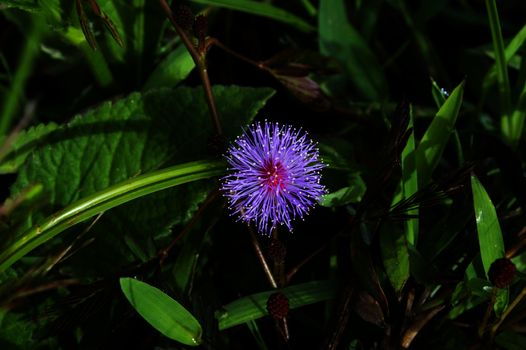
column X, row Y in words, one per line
column 339, row 39
column 511, row 49
column 346, row 195
column 502, row 69
column 261, row 9
column 410, row 180
column 26, row 5
column 429, row 150
column 119, row 141
column 23, row 145
column 172, row 70
column 162, row 312
column 488, row 228
column 106, row 199
column 395, row 255
column 254, row 306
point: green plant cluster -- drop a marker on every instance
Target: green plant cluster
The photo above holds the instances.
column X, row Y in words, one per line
column 114, row 118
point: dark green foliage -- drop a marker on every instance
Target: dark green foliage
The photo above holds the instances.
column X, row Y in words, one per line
column 115, row 114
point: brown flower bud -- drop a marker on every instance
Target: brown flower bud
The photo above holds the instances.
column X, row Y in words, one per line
column 501, row 272
column 278, row 305
column 200, row 27
column 184, row 16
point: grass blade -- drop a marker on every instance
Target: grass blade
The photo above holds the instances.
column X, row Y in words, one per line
column 430, row 148
column 104, row 200
column 254, row 306
column 502, row 70
column 162, row 312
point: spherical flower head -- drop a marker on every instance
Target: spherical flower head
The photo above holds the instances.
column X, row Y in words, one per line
column 275, row 176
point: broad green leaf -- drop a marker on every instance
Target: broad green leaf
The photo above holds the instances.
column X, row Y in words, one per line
column 172, row 70
column 23, row 145
column 261, row 9
column 429, row 150
column 162, row 312
column 119, row 141
column 489, row 234
column 339, row 39
column 254, row 306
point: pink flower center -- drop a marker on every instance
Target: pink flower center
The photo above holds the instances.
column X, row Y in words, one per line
column 273, row 175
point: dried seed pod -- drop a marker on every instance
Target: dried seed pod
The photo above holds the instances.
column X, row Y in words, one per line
column 278, row 305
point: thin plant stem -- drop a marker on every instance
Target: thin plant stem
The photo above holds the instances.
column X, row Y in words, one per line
column 199, row 59
column 261, row 258
column 484, row 323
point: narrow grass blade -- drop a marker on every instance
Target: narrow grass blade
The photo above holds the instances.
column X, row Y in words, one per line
column 254, row 306
column 261, row 9
column 502, row 69
column 15, row 93
column 429, row 150
column 104, row 200
column 511, row 49
column 162, row 312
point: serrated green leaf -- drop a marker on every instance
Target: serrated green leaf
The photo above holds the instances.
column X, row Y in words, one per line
column 162, row 312
column 430, row 149
column 254, row 306
column 261, row 9
column 489, row 234
column 140, row 133
column 23, row 145
column 172, row 70
column 339, row 39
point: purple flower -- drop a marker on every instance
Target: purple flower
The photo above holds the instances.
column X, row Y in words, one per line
column 275, row 175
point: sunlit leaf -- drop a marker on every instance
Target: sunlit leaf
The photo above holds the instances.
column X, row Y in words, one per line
column 162, row 312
